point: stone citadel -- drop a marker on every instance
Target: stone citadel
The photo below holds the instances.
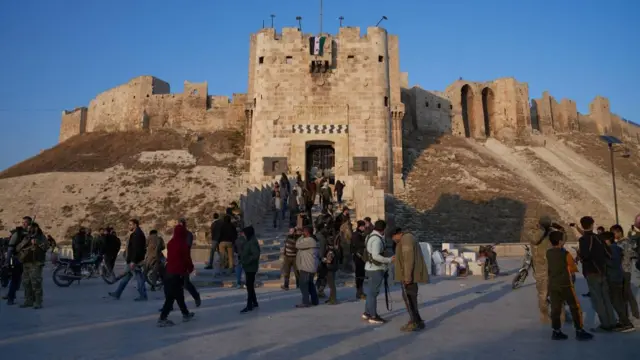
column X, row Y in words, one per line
column 338, row 103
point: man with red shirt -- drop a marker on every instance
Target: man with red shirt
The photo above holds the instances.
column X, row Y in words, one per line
column 179, row 265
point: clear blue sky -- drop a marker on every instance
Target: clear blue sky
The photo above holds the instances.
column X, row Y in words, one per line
column 59, row 54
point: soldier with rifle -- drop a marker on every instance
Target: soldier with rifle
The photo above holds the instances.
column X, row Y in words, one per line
column 31, row 251
column 12, row 262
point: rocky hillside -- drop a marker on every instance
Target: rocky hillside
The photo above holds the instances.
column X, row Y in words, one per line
column 101, row 179
column 458, row 190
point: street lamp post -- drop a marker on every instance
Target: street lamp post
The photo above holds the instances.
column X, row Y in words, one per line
column 272, row 17
column 299, row 18
column 610, row 140
column 341, row 18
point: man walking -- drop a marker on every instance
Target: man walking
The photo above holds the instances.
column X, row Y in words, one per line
column 410, row 270
column 289, row 252
column 188, row 285
column 136, row 252
column 376, row 269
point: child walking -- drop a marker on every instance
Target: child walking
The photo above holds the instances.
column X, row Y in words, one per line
column 561, row 289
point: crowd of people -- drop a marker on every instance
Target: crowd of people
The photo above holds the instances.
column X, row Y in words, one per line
column 315, row 249
column 607, row 261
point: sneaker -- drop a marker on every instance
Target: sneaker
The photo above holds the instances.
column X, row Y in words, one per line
column 188, row 317
column 11, row 302
column 37, row 306
column 421, row 325
column 331, row 302
column 558, row 335
column 409, row 327
column 198, row 302
column 624, row 328
column 377, row 320
column 246, row 310
column 285, row 288
column 208, row 267
column 165, row 323
column 114, row 295
column 582, row 335
column 366, row 316
column 239, row 286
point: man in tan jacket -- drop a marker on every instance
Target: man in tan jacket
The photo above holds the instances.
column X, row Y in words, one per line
column 410, row 269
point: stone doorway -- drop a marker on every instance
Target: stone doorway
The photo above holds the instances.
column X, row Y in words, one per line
column 320, row 160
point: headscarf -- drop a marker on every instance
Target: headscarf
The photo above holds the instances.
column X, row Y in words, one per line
column 179, row 233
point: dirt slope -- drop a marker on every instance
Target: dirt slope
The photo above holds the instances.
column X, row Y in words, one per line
column 455, row 193
column 103, row 179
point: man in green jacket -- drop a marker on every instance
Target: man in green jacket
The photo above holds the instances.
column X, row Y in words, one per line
column 410, row 270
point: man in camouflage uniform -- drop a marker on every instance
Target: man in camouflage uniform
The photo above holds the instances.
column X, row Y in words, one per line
column 32, row 252
column 539, row 249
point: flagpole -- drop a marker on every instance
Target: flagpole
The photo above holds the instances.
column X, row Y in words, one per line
column 320, row 17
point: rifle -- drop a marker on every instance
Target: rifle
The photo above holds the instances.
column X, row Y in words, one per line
column 387, row 293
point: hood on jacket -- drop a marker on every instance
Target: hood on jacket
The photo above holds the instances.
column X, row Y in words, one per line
column 179, row 233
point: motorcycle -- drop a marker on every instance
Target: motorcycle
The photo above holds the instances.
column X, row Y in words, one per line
column 490, row 266
column 527, row 264
column 68, row 270
column 153, row 277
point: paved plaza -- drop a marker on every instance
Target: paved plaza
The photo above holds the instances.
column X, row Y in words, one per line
column 465, row 319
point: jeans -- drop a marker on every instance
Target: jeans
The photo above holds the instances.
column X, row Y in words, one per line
column 137, row 272
column 308, row 289
column 239, row 273
column 214, row 248
column 360, row 273
column 173, row 285
column 16, row 279
column 376, row 279
column 277, row 219
column 600, row 300
column 252, row 300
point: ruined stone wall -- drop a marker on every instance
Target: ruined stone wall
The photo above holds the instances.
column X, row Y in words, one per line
column 145, row 102
column 498, row 108
column 555, row 117
column 347, row 101
column 73, row 122
column 430, row 110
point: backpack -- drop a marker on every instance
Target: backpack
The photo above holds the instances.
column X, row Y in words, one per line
column 367, row 255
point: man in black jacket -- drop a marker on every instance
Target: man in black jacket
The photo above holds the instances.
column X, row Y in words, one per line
column 136, row 251
column 216, row 227
column 357, row 250
column 594, row 255
column 110, row 248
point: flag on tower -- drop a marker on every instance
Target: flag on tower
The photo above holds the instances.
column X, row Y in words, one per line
column 316, row 45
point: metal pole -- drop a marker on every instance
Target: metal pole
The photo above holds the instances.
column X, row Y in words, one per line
column 341, row 18
column 272, row 17
column 613, row 177
column 320, row 17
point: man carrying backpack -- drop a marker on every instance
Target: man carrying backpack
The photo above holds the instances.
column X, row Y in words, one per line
column 376, row 268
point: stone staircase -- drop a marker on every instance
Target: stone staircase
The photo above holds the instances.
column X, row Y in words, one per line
column 271, row 241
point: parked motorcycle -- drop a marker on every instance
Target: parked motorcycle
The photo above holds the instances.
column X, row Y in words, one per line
column 68, row 270
column 490, row 266
column 527, row 264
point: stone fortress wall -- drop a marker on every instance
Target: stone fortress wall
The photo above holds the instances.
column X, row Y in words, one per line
column 352, row 98
column 501, row 109
column 146, row 102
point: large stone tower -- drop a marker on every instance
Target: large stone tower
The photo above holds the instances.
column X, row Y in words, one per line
column 324, row 102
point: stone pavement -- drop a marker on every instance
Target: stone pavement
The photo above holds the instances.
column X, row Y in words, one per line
column 465, row 319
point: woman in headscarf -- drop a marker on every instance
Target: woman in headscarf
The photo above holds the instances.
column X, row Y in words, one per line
column 179, row 265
